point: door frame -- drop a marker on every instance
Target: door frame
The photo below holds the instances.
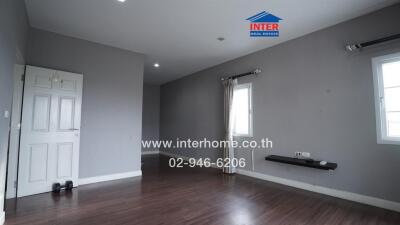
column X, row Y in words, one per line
column 15, row 131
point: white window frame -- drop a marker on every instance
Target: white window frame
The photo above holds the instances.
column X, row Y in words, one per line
column 247, row 86
column 377, row 62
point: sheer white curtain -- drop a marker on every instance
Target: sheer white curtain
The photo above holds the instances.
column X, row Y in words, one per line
column 229, row 153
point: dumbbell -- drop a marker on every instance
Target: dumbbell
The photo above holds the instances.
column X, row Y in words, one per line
column 57, row 187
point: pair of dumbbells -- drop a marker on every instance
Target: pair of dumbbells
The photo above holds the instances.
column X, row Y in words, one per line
column 57, row 187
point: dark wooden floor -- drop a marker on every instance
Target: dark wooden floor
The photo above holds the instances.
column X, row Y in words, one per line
column 190, row 196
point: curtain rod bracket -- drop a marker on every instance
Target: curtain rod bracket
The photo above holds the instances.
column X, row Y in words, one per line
column 351, row 48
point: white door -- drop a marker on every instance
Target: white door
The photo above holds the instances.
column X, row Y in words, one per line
column 49, row 147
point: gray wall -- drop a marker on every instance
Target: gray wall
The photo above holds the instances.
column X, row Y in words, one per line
column 112, row 99
column 151, row 114
column 311, row 96
column 13, row 32
column 192, row 107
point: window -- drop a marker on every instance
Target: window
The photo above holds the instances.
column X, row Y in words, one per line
column 387, row 98
column 242, row 111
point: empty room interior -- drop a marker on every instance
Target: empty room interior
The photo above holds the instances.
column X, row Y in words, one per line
column 220, row 112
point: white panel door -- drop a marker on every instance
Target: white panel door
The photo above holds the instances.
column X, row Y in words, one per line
column 50, row 130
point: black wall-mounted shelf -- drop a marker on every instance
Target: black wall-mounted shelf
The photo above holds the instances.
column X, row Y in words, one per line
column 301, row 162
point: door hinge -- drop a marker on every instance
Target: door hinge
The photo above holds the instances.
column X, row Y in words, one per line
column 23, row 77
column 15, row 184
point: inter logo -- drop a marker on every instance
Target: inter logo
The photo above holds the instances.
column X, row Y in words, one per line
column 264, row 25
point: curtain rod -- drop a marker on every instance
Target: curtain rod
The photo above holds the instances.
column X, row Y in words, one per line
column 256, row 71
column 353, row 47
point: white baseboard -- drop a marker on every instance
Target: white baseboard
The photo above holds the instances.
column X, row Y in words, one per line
column 2, row 217
column 150, row 152
column 117, row 176
column 381, row 203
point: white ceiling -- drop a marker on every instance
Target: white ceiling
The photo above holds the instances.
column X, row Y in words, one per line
column 182, row 34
